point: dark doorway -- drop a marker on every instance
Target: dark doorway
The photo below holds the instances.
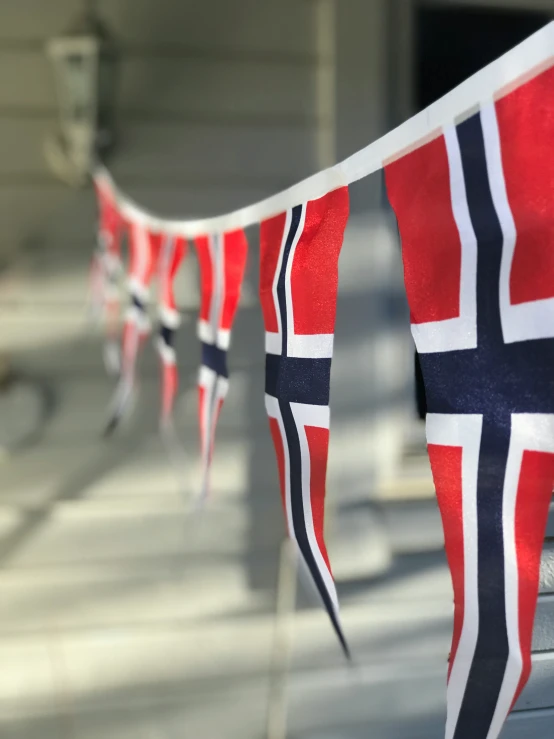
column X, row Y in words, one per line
column 452, row 43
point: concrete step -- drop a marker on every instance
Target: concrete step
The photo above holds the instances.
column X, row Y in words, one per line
column 402, row 699
column 334, row 706
column 411, row 480
column 135, row 463
column 72, row 532
column 162, row 661
column 180, row 586
column 413, row 525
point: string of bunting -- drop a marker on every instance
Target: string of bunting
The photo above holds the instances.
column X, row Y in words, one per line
column 471, row 181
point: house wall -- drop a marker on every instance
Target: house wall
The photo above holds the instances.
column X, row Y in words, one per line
column 220, row 103
column 217, row 106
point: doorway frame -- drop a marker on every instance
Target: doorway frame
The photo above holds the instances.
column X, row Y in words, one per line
column 402, row 45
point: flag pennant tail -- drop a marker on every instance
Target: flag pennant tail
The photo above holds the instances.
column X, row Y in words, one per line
column 222, row 259
column 112, row 357
column 310, row 586
column 106, row 263
column 298, row 291
column 168, row 433
column 212, row 389
column 118, row 406
column 170, row 386
column 112, row 303
column 144, row 254
column 132, row 338
column 112, row 343
column 476, row 220
column 172, row 254
column 96, row 272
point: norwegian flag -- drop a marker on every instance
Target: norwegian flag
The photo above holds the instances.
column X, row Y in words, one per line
column 106, row 268
column 222, row 259
column 298, row 291
column 145, row 247
column 172, row 254
column 475, row 209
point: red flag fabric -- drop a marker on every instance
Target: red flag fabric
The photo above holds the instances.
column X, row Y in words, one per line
column 475, row 210
column 298, row 291
column 222, row 259
column 172, row 254
column 144, row 247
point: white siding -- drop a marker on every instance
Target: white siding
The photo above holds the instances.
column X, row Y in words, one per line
column 212, row 97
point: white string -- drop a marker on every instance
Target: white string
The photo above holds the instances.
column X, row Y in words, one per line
column 494, row 81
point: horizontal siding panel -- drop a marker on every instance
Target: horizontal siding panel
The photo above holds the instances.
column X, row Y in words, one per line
column 35, row 217
column 547, row 567
column 216, row 103
column 189, row 150
column 203, row 151
column 234, row 25
column 539, row 691
column 34, row 19
column 543, row 634
column 187, row 87
column 43, row 218
column 31, row 216
column 550, row 523
column 22, row 144
column 531, row 725
column 217, row 87
column 26, row 80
